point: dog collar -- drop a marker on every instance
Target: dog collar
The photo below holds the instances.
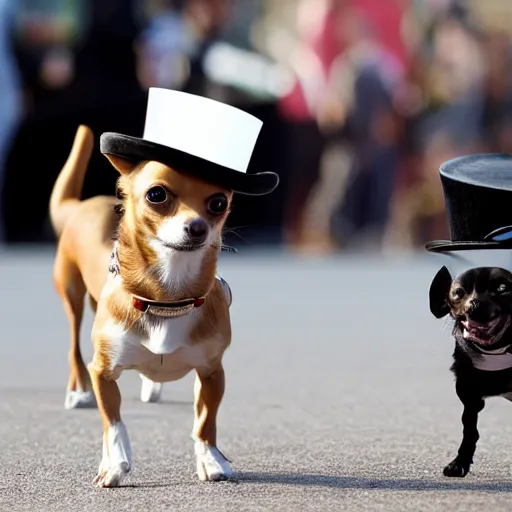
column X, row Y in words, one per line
column 169, row 309
column 166, row 309
column 496, row 352
column 491, row 360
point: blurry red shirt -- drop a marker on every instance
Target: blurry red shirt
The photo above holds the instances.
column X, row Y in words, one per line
column 384, row 15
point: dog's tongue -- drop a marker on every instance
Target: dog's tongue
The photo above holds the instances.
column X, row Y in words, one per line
column 479, row 328
column 481, row 332
column 474, row 326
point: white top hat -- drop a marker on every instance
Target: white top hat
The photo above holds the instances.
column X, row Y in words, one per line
column 199, row 136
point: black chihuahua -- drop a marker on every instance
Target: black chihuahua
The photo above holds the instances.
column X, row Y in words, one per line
column 480, row 302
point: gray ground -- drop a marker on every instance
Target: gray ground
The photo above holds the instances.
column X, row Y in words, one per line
column 338, row 398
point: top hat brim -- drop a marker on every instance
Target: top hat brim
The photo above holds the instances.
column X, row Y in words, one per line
column 139, row 150
column 447, row 245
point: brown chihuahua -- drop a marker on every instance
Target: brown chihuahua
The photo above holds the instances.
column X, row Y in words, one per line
column 160, row 307
column 184, row 228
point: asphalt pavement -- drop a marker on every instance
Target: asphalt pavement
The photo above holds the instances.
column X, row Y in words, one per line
column 339, row 397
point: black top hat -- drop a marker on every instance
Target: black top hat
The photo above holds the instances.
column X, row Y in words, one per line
column 199, row 136
column 478, row 196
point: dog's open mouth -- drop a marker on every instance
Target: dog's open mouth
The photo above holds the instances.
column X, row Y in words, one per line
column 185, row 247
column 485, row 334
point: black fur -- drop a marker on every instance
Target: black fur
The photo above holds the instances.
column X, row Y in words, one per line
column 478, row 299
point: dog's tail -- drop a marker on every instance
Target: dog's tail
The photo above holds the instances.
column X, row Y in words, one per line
column 68, row 187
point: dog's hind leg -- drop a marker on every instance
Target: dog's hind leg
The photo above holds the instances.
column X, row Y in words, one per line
column 459, row 467
column 93, row 303
column 150, row 392
column 71, row 288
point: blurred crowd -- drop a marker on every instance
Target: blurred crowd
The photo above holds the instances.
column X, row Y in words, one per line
column 361, row 99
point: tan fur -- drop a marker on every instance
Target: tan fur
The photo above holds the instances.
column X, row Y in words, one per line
column 138, row 257
column 208, row 393
column 86, row 229
column 215, row 316
column 68, row 187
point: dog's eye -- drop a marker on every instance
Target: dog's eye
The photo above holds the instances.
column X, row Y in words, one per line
column 502, row 288
column 218, row 204
column 156, row 195
column 458, row 293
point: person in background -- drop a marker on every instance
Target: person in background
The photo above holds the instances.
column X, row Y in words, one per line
column 497, row 100
column 165, row 46
column 303, row 43
column 172, row 47
column 10, row 92
column 206, row 19
column 363, row 84
column 454, row 71
column 102, row 92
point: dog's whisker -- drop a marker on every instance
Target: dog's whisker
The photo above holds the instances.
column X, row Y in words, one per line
column 233, row 231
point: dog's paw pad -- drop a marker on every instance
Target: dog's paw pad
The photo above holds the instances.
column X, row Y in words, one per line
column 456, row 469
column 150, row 391
column 212, row 466
column 80, row 400
column 113, row 476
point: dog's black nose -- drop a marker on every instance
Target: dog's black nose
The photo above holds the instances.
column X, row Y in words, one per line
column 482, row 311
column 196, row 230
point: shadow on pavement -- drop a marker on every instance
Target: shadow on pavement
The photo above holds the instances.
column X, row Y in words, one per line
column 347, row 482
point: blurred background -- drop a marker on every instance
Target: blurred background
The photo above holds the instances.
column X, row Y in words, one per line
column 361, row 101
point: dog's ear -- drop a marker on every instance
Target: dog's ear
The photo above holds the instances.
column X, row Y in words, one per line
column 122, row 165
column 438, row 293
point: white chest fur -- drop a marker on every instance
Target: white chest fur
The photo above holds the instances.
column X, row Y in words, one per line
column 492, row 362
column 165, row 354
column 164, row 351
column 166, row 335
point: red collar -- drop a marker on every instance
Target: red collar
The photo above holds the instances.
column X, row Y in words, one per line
column 166, row 309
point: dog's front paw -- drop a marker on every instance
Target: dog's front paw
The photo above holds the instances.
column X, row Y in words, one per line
column 112, row 476
column 78, row 399
column 117, row 455
column 211, row 464
column 457, row 468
